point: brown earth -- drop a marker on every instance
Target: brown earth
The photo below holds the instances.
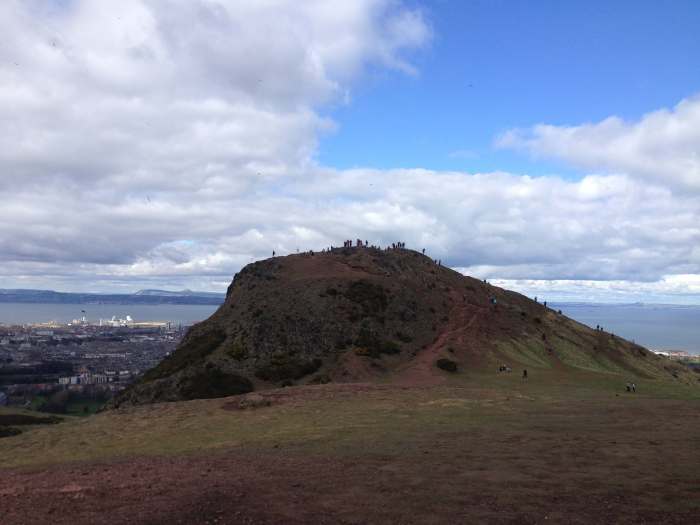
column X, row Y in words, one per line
column 528, row 459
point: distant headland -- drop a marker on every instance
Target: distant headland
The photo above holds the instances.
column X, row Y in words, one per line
column 140, row 297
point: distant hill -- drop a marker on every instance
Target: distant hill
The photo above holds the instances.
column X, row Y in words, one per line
column 141, row 297
column 364, row 314
column 182, row 293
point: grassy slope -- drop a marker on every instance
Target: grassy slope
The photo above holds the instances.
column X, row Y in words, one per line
column 327, row 418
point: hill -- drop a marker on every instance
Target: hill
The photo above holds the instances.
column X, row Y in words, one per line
column 366, row 314
column 140, row 297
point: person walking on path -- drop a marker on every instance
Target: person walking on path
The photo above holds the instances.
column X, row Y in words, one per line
column 525, row 373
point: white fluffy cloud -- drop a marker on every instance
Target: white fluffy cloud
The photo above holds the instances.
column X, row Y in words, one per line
column 671, row 289
column 128, row 129
column 662, row 147
column 166, row 144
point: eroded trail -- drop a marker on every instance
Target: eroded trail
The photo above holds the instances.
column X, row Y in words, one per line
column 421, row 371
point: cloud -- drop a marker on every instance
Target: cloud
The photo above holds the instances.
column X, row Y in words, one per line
column 154, row 94
column 678, row 289
column 167, row 144
column 662, row 147
column 492, row 225
column 127, row 128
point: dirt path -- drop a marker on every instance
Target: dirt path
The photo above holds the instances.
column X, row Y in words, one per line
column 421, row 371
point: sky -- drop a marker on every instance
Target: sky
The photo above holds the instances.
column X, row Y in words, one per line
column 550, row 147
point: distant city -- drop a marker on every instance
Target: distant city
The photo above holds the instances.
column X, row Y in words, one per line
column 79, row 365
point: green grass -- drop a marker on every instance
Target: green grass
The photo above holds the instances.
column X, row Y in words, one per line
column 379, row 419
column 73, row 408
column 530, row 354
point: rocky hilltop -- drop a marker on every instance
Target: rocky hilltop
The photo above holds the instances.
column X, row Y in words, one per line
column 366, row 314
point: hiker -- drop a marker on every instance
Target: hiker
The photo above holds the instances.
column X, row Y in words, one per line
column 545, row 304
column 634, row 388
column 423, row 251
column 525, row 373
column 629, row 387
column 273, row 253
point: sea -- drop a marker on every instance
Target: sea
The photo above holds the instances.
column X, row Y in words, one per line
column 29, row 313
column 655, row 326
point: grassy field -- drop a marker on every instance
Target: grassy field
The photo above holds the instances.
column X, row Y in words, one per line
column 530, row 447
column 328, row 417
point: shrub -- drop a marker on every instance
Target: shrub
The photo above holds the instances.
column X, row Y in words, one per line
column 320, row 379
column 237, row 351
column 372, row 297
column 403, row 337
column 389, row 347
column 370, row 344
column 193, row 349
column 9, row 431
column 446, row 364
column 214, row 382
column 285, row 368
column 22, row 419
column 57, row 403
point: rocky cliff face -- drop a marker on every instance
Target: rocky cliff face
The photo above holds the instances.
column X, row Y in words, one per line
column 359, row 314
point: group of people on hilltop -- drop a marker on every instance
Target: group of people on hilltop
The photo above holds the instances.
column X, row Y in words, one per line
column 358, row 243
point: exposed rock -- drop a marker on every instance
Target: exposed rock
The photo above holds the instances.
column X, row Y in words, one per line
column 253, row 401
